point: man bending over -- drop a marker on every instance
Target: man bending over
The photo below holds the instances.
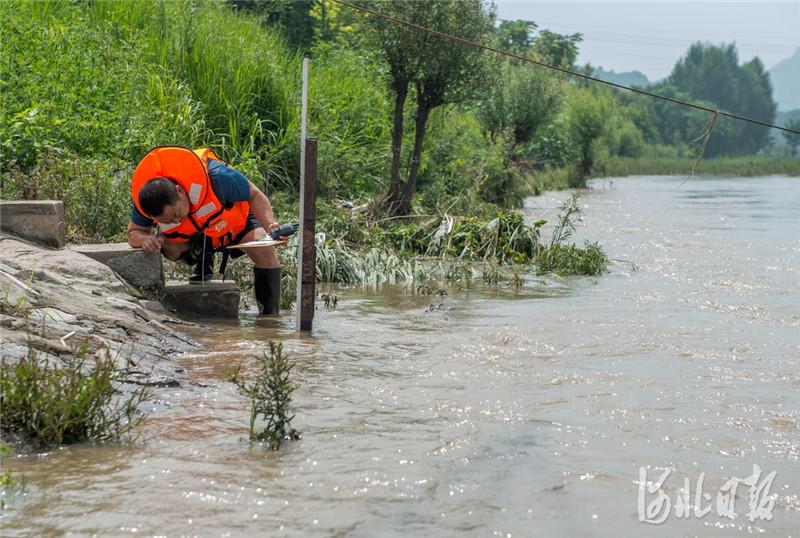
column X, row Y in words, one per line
column 188, row 204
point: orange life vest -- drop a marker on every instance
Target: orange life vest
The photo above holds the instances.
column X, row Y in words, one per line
column 189, row 169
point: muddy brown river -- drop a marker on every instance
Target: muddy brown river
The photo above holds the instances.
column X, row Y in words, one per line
column 660, row 399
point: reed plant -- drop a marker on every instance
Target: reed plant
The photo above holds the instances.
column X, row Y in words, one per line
column 503, row 239
column 338, row 263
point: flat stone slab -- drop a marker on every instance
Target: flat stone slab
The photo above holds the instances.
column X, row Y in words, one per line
column 134, row 265
column 39, row 221
column 216, row 299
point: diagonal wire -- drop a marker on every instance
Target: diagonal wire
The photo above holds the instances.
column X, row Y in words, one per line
column 561, row 69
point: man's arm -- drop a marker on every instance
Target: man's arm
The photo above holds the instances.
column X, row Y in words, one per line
column 262, row 209
column 142, row 236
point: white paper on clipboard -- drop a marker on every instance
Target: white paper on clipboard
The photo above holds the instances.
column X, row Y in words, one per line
column 258, row 243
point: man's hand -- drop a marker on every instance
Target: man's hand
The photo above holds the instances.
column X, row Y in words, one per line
column 153, row 244
column 142, row 237
column 272, row 227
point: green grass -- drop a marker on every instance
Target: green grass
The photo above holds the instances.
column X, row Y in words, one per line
column 98, row 84
column 739, row 166
column 74, row 84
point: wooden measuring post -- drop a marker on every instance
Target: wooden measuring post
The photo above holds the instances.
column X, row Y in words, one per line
column 308, row 254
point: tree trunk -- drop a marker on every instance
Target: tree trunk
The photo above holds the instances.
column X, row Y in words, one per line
column 392, row 197
column 423, row 111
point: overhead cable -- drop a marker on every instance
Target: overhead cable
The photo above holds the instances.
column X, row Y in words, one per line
column 561, row 69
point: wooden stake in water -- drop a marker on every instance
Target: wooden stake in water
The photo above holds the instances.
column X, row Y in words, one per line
column 307, row 276
column 301, row 259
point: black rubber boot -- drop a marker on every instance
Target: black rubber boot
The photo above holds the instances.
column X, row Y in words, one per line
column 204, row 257
column 267, row 285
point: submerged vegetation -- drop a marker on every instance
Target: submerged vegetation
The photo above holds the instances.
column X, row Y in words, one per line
column 70, row 400
column 10, row 485
column 270, row 396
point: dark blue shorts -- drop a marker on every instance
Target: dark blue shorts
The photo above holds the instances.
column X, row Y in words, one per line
column 252, row 224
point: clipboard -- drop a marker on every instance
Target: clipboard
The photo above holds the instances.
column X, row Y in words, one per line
column 259, row 243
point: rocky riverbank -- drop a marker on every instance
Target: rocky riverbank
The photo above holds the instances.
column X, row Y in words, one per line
column 59, row 301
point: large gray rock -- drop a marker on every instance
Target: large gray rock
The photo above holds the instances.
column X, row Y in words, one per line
column 55, row 302
column 40, row 221
column 211, row 299
column 140, row 269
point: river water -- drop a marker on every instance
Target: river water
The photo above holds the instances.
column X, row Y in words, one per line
column 529, row 413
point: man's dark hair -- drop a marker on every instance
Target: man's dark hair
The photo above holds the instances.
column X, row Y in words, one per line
column 156, row 194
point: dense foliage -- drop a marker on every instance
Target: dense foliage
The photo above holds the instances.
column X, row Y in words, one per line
column 712, row 75
column 407, row 122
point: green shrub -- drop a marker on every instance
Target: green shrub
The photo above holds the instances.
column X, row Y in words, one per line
column 270, row 397
column 71, row 403
column 465, row 171
column 351, row 115
column 564, row 260
column 95, row 193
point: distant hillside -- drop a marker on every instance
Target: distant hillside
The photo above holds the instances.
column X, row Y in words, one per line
column 629, row 78
column 785, row 78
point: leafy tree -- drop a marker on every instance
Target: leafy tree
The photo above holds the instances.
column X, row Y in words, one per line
column 516, row 36
column 712, row 74
column 558, row 49
column 588, row 119
column 523, row 99
column 759, row 105
column 439, row 70
column 294, row 16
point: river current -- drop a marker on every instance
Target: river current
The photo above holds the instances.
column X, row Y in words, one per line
column 504, row 413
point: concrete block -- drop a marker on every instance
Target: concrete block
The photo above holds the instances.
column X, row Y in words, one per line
column 213, row 299
column 142, row 270
column 39, row 221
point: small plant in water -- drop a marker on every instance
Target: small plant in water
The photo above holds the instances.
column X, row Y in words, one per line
column 491, row 274
column 271, row 396
column 330, row 300
column 460, row 273
column 517, row 280
column 427, row 289
column 568, row 259
column 10, row 485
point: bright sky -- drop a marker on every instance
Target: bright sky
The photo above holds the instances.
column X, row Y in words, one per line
column 650, row 36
